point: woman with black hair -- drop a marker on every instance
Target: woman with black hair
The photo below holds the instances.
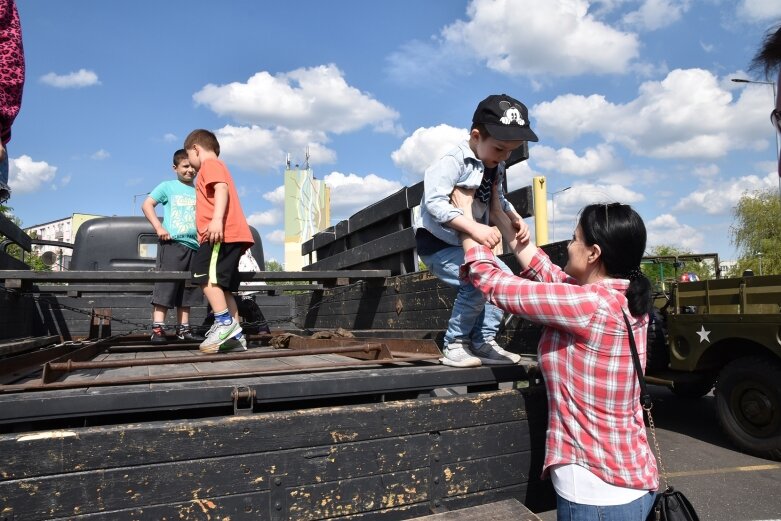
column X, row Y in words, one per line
column 768, row 59
column 597, row 452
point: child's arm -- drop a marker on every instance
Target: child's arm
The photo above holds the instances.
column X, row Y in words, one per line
column 148, row 207
column 480, row 233
column 214, row 232
column 521, row 228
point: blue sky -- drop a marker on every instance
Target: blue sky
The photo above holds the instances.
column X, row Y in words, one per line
column 631, row 99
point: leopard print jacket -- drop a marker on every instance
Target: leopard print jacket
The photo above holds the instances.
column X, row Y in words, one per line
column 11, row 67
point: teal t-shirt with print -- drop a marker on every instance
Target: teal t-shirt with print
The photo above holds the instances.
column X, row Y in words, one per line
column 178, row 200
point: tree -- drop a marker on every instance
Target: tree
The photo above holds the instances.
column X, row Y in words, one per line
column 272, row 265
column 755, row 232
column 668, row 267
column 33, row 259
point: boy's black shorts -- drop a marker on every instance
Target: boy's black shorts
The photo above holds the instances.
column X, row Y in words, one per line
column 173, row 256
column 218, row 264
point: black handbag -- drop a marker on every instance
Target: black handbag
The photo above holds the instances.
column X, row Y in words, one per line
column 671, row 504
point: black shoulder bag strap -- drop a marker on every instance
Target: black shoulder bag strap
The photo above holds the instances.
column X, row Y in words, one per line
column 645, row 398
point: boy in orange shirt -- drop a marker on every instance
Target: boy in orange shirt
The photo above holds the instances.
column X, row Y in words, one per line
column 223, row 234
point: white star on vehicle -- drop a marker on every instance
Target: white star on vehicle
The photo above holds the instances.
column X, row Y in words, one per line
column 703, row 334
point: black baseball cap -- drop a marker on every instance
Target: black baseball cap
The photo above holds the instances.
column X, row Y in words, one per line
column 505, row 118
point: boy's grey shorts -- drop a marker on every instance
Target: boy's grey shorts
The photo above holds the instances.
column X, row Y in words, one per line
column 172, row 256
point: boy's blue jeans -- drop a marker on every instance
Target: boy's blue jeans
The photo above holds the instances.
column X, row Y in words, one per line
column 472, row 318
column 5, row 191
column 637, row 510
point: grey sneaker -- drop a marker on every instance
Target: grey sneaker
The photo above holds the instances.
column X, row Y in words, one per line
column 491, row 353
column 233, row 344
column 218, row 334
column 457, row 354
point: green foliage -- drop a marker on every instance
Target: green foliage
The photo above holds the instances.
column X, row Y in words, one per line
column 273, row 265
column 33, row 259
column 756, row 232
column 661, row 270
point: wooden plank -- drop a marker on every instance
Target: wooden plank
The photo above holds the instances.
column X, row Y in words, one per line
column 523, row 201
column 145, row 443
column 391, row 206
column 146, row 276
column 405, row 199
column 21, row 345
column 11, row 263
column 388, row 245
column 234, row 507
column 322, row 475
column 506, row 510
column 14, row 233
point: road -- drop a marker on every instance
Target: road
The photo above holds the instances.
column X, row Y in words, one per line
column 722, row 483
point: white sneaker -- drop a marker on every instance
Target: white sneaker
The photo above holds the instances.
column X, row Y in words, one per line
column 457, row 354
column 491, row 353
column 218, row 334
column 233, row 344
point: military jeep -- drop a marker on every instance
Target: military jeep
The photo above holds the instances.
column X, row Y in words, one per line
column 727, row 333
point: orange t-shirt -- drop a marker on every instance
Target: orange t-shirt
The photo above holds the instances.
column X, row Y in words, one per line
column 235, row 227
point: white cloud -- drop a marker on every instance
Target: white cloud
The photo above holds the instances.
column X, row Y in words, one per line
column 759, row 10
column 582, row 194
column 170, row 138
column 264, row 150
column 73, row 80
column 277, row 196
column 656, row 14
column 264, row 219
column 351, row 192
column 665, row 230
column 276, row 237
column 708, row 171
column 517, row 38
column 100, row 155
column 426, row 145
column 566, row 161
column 26, row 175
column 688, row 114
column 720, row 198
column 318, row 99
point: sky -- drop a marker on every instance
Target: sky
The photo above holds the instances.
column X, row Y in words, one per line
column 631, row 99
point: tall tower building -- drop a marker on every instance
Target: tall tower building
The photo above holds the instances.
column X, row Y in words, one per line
column 307, row 211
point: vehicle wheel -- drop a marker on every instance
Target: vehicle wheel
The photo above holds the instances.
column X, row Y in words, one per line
column 692, row 390
column 748, row 401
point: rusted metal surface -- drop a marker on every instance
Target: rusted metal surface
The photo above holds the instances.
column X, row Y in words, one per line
column 225, row 373
column 397, row 346
column 70, row 358
column 375, row 351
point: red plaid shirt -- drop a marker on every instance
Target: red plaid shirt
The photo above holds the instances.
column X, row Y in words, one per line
column 594, row 414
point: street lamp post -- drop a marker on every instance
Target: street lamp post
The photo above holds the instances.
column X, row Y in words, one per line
column 553, row 211
column 775, row 130
column 759, row 256
column 136, row 196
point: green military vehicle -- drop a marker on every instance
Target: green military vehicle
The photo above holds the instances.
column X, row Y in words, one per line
column 725, row 333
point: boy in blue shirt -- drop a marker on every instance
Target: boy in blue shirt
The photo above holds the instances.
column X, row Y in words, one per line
column 499, row 125
column 178, row 244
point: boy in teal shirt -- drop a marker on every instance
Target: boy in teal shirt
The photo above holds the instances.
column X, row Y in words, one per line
column 178, row 243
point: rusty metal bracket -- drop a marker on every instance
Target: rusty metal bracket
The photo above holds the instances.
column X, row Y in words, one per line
column 100, row 324
column 243, row 400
